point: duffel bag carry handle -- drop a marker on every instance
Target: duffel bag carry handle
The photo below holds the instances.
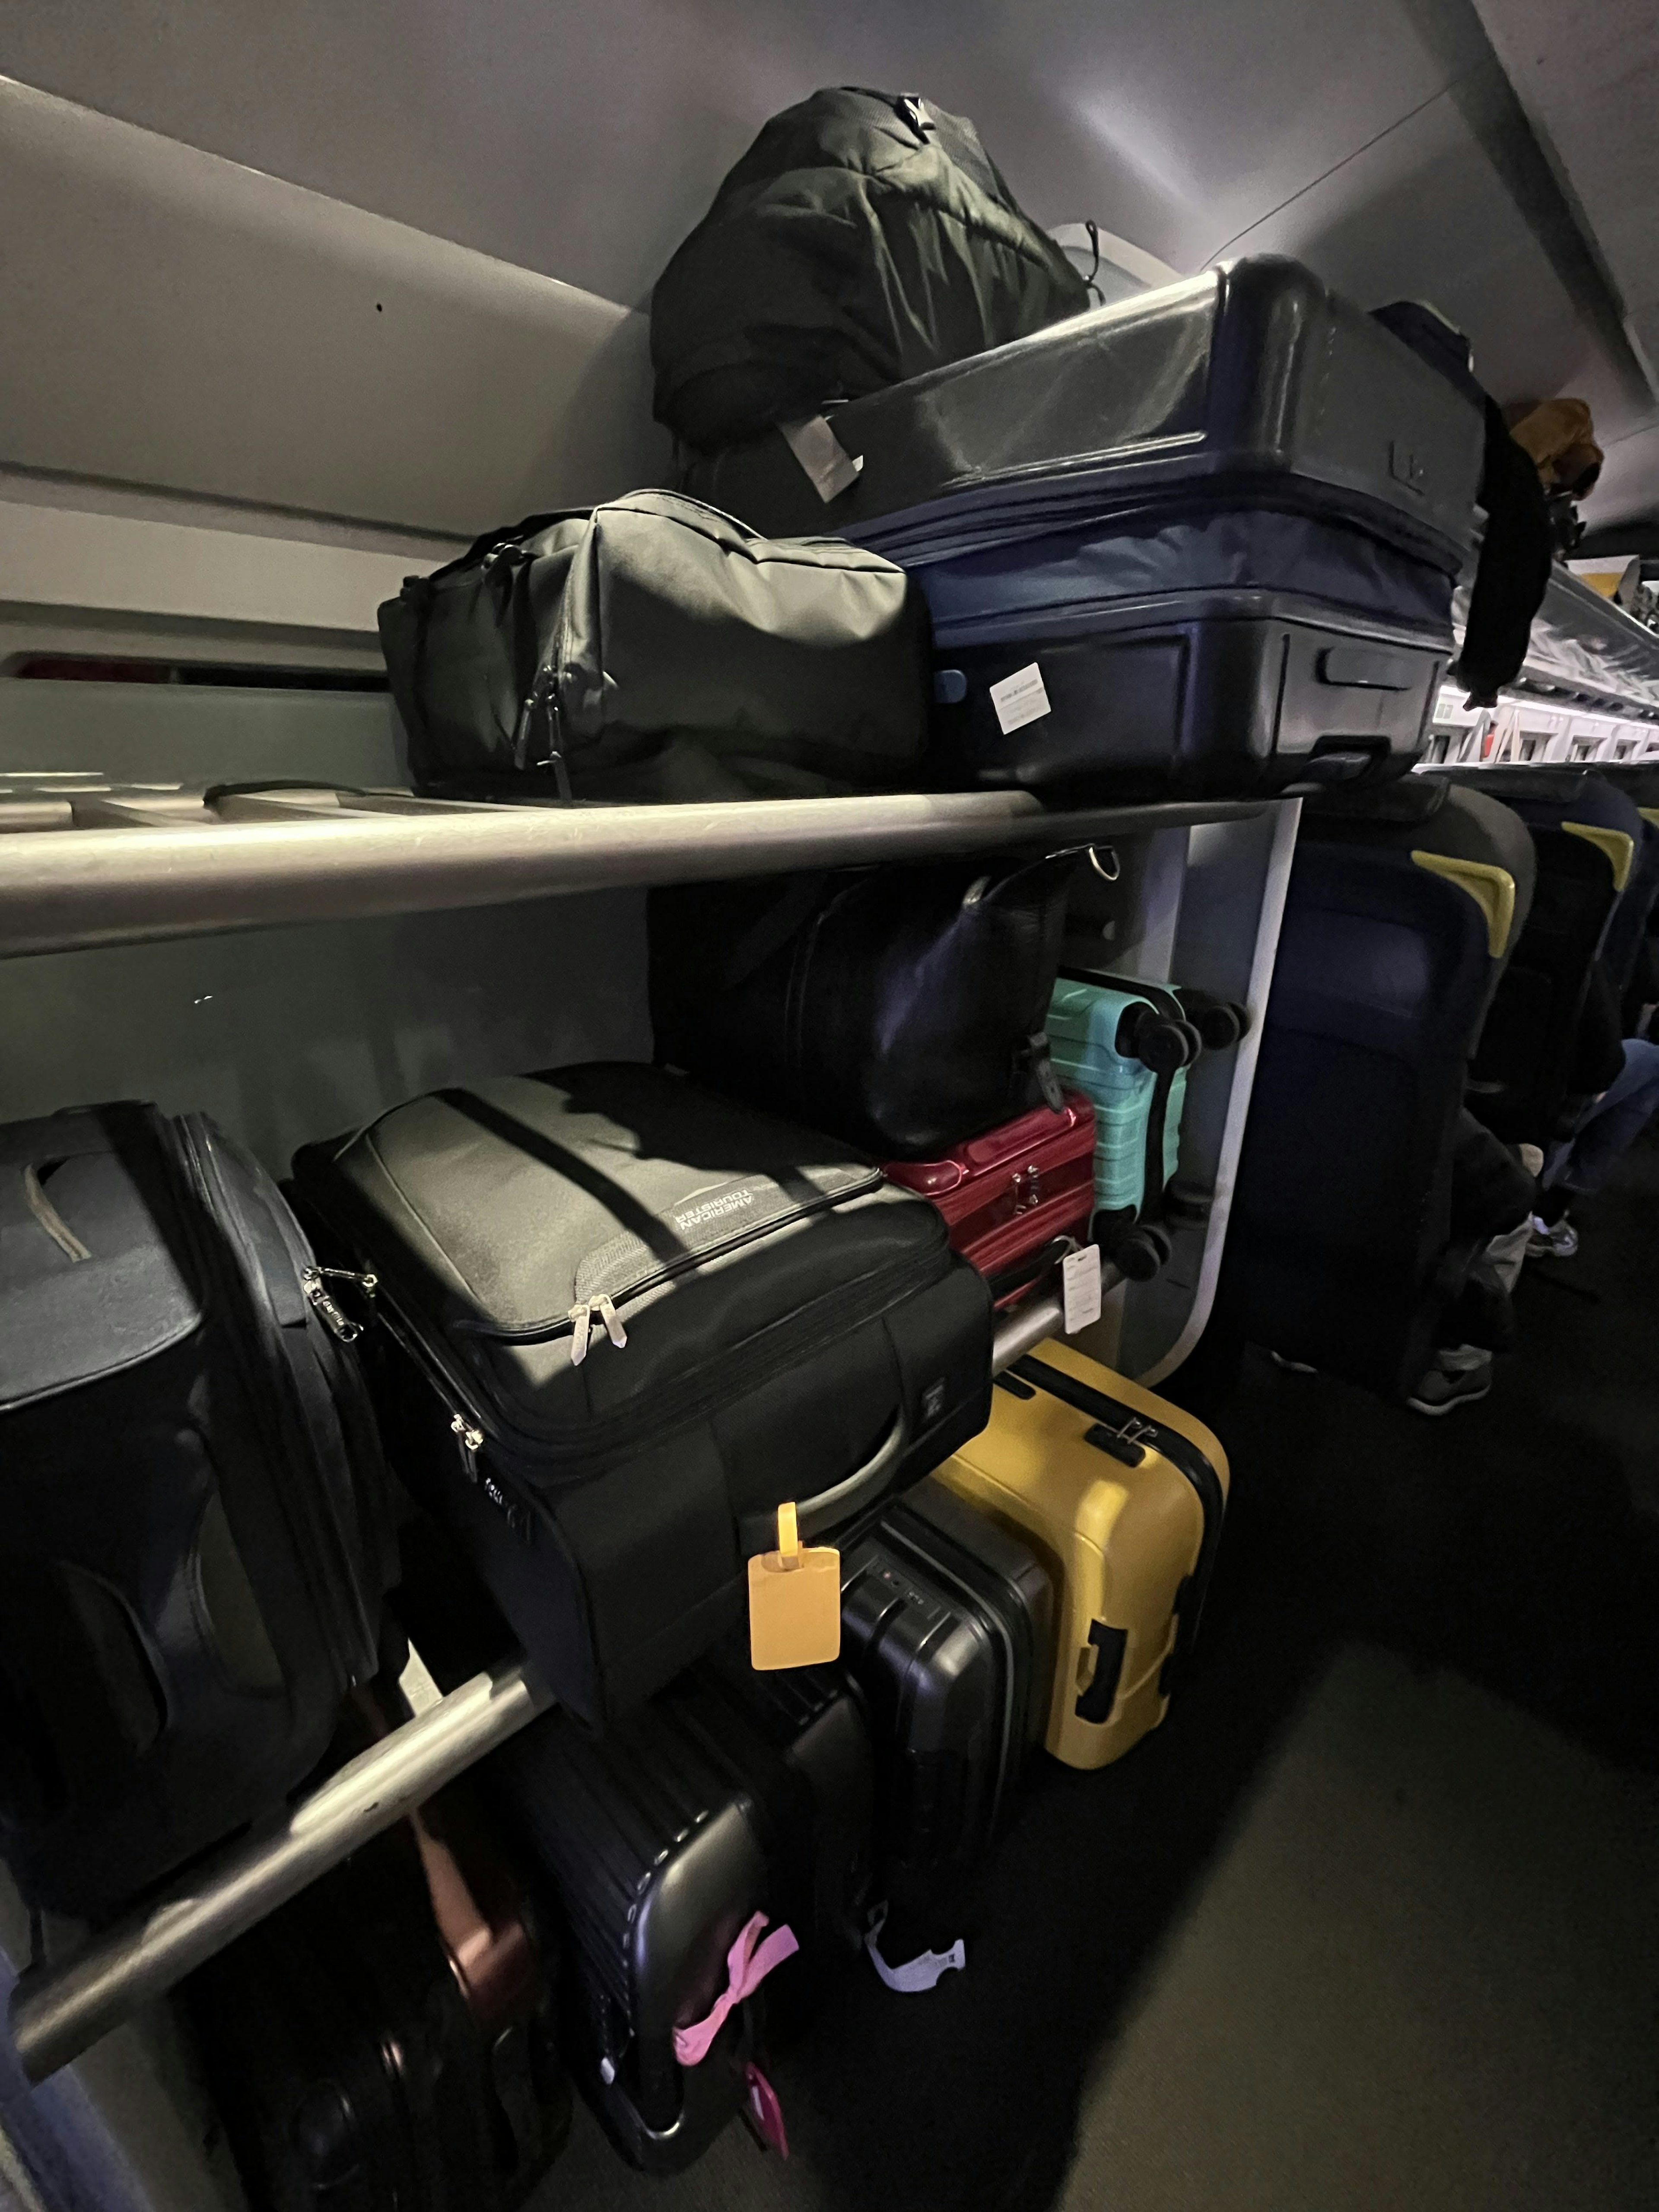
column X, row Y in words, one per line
column 831, row 1508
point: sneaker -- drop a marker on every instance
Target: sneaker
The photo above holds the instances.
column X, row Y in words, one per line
column 1291, row 1366
column 1552, row 1240
column 1458, row 1377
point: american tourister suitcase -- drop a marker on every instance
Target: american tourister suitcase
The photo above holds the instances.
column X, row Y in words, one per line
column 729, row 1808
column 1203, row 537
column 1119, row 1044
column 621, row 1321
column 1018, row 1198
column 1122, row 1494
column 947, row 1625
column 194, row 1535
column 349, row 2070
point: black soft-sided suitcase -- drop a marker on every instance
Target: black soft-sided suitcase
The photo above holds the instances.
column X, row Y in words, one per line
column 901, row 1009
column 1222, row 521
column 193, row 1530
column 721, row 1799
column 795, row 1328
column 947, row 1625
column 350, row 2072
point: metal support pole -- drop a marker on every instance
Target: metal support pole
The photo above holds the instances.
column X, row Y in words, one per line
column 57, row 2012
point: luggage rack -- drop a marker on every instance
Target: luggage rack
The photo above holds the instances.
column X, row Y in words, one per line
column 59, row 2011
column 85, row 861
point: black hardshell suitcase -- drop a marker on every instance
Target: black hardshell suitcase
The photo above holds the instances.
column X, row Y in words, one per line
column 194, row 1533
column 624, row 1320
column 947, row 1627
column 1222, row 520
column 348, row 2071
column 722, row 1798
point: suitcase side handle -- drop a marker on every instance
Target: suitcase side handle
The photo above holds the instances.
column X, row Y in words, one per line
column 864, row 1486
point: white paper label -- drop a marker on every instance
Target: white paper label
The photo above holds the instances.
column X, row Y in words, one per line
column 1019, row 699
column 1079, row 1288
column 822, row 454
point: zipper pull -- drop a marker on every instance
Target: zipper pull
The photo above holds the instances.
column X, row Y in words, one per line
column 543, row 701
column 471, row 1441
column 583, row 1316
column 315, row 1281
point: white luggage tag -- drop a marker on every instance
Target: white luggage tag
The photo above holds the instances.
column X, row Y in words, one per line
column 1079, row 1288
column 794, row 1602
column 829, row 467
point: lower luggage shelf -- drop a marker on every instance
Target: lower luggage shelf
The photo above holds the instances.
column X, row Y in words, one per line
column 57, row 2011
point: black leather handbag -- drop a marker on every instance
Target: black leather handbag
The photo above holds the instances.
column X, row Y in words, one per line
column 900, row 1009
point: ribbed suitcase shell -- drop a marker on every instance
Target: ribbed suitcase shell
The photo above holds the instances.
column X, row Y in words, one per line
column 1014, row 1199
column 947, row 1627
column 723, row 1797
column 1122, row 1494
column 1083, row 1027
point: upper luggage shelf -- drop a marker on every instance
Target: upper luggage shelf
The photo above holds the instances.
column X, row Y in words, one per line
column 91, row 863
column 1582, row 643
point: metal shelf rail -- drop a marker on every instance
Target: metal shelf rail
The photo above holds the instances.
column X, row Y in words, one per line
column 89, row 863
column 59, row 2010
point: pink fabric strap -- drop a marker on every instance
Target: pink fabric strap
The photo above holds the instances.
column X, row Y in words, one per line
column 748, row 1963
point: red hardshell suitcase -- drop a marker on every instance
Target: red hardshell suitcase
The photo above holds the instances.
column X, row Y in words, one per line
column 1017, row 1198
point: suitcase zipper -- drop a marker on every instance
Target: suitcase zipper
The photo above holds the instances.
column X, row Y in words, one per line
column 329, row 1574
column 604, row 1307
column 474, row 1429
column 313, row 1283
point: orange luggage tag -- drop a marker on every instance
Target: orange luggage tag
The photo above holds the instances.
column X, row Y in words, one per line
column 794, row 1602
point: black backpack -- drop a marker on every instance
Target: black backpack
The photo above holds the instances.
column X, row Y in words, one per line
column 863, row 238
column 194, row 1530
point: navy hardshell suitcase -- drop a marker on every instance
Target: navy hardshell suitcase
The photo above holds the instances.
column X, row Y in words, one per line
column 1207, row 537
column 729, row 1796
column 947, row 1627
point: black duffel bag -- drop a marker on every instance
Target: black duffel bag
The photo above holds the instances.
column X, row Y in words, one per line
column 652, row 648
column 194, row 1533
column 621, row 1321
column 902, row 1009
column 863, row 238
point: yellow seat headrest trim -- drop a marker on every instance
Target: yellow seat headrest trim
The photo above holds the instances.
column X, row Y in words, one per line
column 1649, row 814
column 1618, row 844
column 1491, row 888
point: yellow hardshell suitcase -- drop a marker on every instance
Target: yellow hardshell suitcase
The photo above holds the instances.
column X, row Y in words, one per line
column 1120, row 1495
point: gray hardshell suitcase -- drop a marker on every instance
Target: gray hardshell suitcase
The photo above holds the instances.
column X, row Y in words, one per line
column 1221, row 521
